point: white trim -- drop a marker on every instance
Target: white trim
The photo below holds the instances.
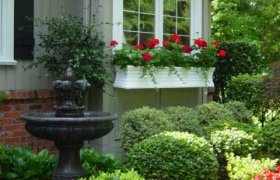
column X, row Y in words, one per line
column 7, row 33
column 196, row 20
column 159, row 20
column 117, row 29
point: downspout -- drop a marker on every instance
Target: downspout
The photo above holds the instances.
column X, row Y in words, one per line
column 86, row 12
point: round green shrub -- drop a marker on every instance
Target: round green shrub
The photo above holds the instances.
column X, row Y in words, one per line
column 141, row 123
column 183, row 119
column 240, row 111
column 234, row 141
column 269, row 137
column 226, row 124
column 117, row 175
column 174, row 155
column 207, row 113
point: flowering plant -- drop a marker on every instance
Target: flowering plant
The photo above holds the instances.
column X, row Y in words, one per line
column 269, row 175
column 170, row 54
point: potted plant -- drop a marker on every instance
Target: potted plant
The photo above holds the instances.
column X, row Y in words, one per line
column 67, row 42
column 168, row 64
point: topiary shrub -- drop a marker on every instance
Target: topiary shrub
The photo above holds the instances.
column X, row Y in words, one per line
column 246, row 168
column 240, row 111
column 183, row 119
column 269, row 137
column 117, row 175
column 141, row 123
column 174, row 155
column 207, row 113
column 226, row 124
column 234, row 141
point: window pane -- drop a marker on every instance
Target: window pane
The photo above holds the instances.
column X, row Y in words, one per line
column 184, row 8
column 130, row 37
column 130, row 5
column 169, row 25
column 183, row 26
column 147, row 6
column 147, row 23
column 130, row 21
column 169, row 8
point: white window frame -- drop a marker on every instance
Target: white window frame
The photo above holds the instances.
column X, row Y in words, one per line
column 196, row 25
column 7, row 32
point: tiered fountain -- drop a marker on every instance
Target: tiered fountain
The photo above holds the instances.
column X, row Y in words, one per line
column 69, row 126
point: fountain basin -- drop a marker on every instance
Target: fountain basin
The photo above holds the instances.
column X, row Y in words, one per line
column 69, row 134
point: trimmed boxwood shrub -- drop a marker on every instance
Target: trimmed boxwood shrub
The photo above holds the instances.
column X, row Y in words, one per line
column 234, row 141
column 141, row 123
column 183, row 119
column 207, row 113
column 269, row 138
column 174, row 155
column 117, row 175
column 246, row 168
column 240, row 111
column 226, row 124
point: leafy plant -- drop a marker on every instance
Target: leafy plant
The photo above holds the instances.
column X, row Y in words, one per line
column 173, row 155
column 67, row 42
column 246, row 168
column 3, row 96
column 117, row 175
column 94, row 162
column 183, row 119
column 241, row 58
column 213, row 111
column 268, row 137
column 234, row 141
column 23, row 163
column 140, row 123
column 240, row 111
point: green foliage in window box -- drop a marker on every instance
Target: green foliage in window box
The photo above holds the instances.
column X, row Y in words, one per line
column 116, row 175
column 141, row 123
column 269, row 137
column 241, row 58
column 210, row 112
column 234, row 141
column 67, row 42
column 94, row 162
column 183, row 119
column 23, row 163
column 240, row 111
column 174, row 155
column 246, row 168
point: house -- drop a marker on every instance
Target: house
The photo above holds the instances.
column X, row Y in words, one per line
column 29, row 91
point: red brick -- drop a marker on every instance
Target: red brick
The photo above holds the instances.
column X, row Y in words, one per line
column 5, row 108
column 11, row 114
column 5, row 121
column 19, row 133
column 22, row 94
column 11, row 127
column 21, row 107
column 12, row 140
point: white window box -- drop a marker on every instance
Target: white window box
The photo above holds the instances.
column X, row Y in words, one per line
column 131, row 78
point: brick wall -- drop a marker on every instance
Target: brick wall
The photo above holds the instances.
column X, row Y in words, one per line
column 12, row 129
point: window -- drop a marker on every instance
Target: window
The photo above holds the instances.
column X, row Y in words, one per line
column 136, row 21
column 16, row 31
column 7, row 32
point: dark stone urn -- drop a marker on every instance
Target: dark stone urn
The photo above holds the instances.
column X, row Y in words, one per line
column 69, row 126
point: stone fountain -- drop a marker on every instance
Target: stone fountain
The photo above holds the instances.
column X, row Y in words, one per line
column 69, row 126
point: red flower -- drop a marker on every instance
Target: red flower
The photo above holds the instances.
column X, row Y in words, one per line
column 139, row 47
column 258, row 177
column 216, row 43
column 165, row 43
column 277, row 169
column 113, row 43
column 146, row 56
column 175, row 37
column 222, row 53
column 200, row 43
column 186, row 49
column 152, row 43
